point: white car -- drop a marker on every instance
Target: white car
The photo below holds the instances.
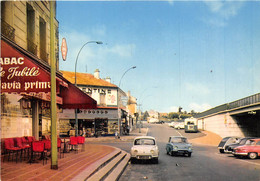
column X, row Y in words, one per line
column 144, row 148
column 172, row 124
column 179, row 125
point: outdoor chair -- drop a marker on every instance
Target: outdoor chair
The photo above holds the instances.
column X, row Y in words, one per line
column 25, row 148
column 38, row 147
column 11, row 148
column 81, row 141
column 47, row 146
column 73, row 143
column 59, row 146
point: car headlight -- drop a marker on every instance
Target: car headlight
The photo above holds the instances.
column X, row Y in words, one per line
column 135, row 151
column 175, row 147
column 152, row 151
column 189, row 148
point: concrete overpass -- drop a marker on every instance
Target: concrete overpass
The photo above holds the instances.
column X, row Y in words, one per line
column 237, row 118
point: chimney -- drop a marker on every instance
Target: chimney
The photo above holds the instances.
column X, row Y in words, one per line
column 96, row 74
column 108, row 79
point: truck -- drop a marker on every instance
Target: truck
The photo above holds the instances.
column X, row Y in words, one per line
column 191, row 125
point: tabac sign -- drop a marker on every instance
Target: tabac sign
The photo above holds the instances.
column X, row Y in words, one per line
column 20, row 74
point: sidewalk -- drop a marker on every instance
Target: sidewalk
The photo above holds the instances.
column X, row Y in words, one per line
column 210, row 138
column 73, row 166
column 84, row 164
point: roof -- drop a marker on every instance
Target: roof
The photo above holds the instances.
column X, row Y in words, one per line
column 86, row 79
column 140, row 137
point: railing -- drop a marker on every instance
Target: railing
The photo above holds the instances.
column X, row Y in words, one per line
column 212, row 111
column 31, row 46
column 7, row 30
column 245, row 101
column 250, row 100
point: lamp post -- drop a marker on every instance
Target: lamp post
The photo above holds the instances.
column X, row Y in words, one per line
column 76, row 113
column 118, row 97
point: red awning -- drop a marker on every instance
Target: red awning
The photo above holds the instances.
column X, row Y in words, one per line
column 74, row 98
column 20, row 73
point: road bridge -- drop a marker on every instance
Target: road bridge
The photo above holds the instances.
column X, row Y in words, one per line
column 237, row 118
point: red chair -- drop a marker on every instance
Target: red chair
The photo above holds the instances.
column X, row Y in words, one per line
column 73, row 143
column 81, row 141
column 38, row 147
column 31, row 139
column 59, row 146
column 10, row 148
column 47, row 146
column 24, row 147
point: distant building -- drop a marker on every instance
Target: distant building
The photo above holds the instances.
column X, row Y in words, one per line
column 111, row 101
column 153, row 114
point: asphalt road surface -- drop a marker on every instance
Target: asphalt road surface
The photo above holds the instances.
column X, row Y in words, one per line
column 205, row 164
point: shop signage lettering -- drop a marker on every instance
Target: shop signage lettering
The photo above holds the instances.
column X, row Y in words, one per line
column 20, row 73
column 95, row 90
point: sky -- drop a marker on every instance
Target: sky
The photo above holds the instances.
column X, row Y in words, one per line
column 193, row 54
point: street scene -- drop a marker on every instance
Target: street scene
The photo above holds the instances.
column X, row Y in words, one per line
column 130, row 90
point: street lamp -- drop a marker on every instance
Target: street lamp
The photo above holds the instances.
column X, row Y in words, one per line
column 118, row 121
column 76, row 118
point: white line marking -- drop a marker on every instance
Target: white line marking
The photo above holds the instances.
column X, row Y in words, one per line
column 178, row 132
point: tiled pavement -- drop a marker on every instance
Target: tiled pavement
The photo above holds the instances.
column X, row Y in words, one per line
column 68, row 167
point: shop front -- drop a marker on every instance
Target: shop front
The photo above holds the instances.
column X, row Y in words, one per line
column 92, row 122
column 25, row 93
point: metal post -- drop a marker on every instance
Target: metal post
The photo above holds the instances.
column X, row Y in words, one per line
column 54, row 150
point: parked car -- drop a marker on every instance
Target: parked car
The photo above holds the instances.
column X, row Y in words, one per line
column 172, row 124
column 226, row 141
column 144, row 148
column 153, row 120
column 180, row 125
column 178, row 145
column 230, row 148
column 250, row 149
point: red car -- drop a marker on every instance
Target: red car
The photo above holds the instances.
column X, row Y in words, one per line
column 250, row 149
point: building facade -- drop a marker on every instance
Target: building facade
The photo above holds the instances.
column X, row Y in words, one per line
column 112, row 105
column 25, row 70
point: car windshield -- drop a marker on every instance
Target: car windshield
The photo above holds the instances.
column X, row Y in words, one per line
column 242, row 141
column 144, row 141
column 179, row 140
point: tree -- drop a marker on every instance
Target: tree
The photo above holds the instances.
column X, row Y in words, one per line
column 146, row 115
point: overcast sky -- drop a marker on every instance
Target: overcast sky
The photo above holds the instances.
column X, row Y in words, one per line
column 193, row 54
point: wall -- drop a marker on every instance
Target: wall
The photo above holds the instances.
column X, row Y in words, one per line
column 222, row 124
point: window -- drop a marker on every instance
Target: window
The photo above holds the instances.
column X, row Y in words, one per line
column 42, row 26
column 31, row 46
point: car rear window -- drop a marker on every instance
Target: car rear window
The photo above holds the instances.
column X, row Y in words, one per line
column 144, row 141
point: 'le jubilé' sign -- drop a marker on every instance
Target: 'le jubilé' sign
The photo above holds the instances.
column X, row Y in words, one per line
column 20, row 74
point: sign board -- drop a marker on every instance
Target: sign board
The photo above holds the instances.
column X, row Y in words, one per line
column 64, row 49
column 20, row 74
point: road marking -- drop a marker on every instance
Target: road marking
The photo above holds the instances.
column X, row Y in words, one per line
column 178, row 132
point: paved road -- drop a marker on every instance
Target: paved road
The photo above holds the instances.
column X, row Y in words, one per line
column 205, row 163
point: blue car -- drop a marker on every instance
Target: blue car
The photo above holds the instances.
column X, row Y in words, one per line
column 178, row 145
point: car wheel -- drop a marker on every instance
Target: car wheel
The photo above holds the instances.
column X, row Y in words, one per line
column 172, row 153
column 189, row 154
column 221, row 151
column 252, row 155
column 156, row 160
column 133, row 160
